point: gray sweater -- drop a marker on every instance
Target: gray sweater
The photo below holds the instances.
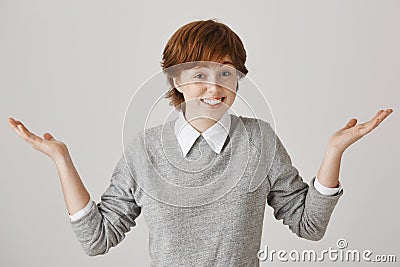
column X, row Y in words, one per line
column 205, row 209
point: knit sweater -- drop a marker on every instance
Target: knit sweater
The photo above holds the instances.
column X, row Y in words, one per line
column 205, row 209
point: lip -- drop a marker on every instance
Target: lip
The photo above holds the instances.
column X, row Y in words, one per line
column 216, row 106
column 214, row 98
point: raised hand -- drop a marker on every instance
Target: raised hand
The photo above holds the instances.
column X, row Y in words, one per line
column 49, row 145
column 346, row 136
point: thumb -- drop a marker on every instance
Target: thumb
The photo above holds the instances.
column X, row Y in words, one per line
column 350, row 124
column 48, row 137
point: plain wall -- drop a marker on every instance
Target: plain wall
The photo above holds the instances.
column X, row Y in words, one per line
column 70, row 68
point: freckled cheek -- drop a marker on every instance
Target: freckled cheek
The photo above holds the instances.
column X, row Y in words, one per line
column 191, row 95
column 230, row 102
column 231, row 98
column 194, row 91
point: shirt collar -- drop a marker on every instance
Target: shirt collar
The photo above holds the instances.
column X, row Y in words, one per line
column 215, row 135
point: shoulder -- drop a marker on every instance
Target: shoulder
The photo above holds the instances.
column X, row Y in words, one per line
column 259, row 132
column 150, row 138
column 255, row 126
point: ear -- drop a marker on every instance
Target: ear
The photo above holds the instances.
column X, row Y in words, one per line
column 176, row 84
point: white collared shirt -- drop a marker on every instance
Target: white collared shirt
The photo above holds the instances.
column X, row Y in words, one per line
column 215, row 135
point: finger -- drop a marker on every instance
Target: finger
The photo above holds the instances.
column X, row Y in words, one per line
column 14, row 124
column 28, row 136
column 383, row 116
column 350, row 124
column 372, row 124
column 374, row 118
column 48, row 137
column 379, row 116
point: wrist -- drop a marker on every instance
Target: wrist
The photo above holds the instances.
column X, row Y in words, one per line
column 61, row 156
column 334, row 150
column 328, row 174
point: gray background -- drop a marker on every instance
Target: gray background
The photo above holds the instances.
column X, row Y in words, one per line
column 70, row 68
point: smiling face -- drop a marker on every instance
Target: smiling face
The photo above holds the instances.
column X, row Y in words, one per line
column 209, row 88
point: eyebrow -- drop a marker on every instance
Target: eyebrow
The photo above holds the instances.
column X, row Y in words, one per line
column 223, row 63
column 227, row 62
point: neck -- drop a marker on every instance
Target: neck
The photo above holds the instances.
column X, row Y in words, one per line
column 201, row 124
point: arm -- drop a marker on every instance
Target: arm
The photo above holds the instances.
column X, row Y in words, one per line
column 104, row 225
column 75, row 194
column 328, row 174
column 101, row 226
column 301, row 206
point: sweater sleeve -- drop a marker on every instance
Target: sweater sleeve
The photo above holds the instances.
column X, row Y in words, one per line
column 81, row 213
column 106, row 223
column 301, row 206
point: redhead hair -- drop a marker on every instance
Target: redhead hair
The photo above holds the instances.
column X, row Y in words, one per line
column 202, row 40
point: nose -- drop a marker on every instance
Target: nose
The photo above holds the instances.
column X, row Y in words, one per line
column 213, row 83
column 213, row 88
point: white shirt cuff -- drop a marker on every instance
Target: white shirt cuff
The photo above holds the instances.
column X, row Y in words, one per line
column 326, row 190
column 82, row 212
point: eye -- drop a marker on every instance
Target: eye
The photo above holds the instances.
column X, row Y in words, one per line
column 226, row 73
column 199, row 76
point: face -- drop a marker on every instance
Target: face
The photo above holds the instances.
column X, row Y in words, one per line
column 209, row 88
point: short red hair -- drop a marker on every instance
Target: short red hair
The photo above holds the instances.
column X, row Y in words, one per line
column 202, row 40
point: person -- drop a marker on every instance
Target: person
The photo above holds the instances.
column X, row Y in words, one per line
column 212, row 226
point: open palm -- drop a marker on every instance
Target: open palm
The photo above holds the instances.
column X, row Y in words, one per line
column 349, row 134
column 48, row 144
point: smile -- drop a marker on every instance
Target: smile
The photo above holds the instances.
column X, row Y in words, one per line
column 212, row 103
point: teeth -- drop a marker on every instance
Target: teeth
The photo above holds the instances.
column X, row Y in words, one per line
column 211, row 101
